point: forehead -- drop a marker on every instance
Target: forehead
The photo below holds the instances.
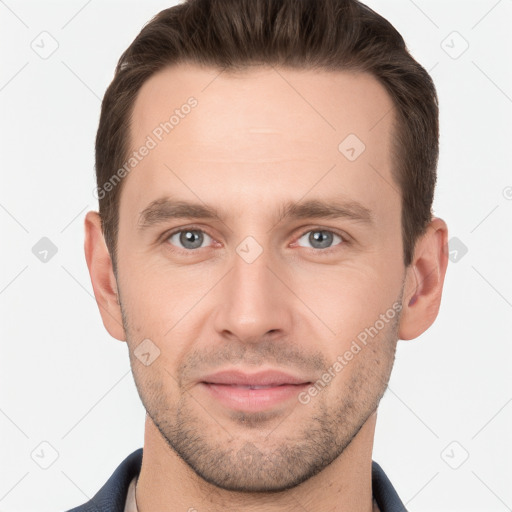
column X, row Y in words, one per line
column 261, row 99
column 218, row 128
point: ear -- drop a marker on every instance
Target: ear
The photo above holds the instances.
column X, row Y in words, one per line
column 102, row 276
column 424, row 281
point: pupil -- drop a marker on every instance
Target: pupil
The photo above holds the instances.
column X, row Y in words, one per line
column 191, row 239
column 322, row 239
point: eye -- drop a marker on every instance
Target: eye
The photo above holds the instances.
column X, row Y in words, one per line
column 189, row 238
column 319, row 238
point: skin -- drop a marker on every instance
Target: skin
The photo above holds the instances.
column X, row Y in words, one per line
column 255, row 141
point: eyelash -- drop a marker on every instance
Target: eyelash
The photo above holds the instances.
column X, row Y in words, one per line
column 328, row 250
column 345, row 239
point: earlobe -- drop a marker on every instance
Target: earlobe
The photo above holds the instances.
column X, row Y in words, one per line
column 424, row 281
column 102, row 275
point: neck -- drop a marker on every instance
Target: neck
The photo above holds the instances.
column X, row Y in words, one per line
column 166, row 482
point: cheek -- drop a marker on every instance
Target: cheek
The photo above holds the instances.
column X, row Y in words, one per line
column 163, row 305
column 155, row 384
column 349, row 297
column 157, row 295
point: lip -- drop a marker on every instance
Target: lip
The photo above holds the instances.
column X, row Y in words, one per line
column 252, row 400
column 232, row 389
column 262, row 378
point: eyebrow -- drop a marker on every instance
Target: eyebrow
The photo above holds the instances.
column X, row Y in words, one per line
column 315, row 208
column 165, row 209
column 162, row 210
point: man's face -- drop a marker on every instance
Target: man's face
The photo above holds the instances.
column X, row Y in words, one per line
column 253, row 289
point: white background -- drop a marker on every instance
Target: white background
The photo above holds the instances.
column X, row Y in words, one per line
column 64, row 381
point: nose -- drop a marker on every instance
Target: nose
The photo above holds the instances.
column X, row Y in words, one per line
column 254, row 301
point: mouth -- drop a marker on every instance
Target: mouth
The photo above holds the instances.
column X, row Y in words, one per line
column 266, row 378
column 241, row 386
column 267, row 389
column 252, row 398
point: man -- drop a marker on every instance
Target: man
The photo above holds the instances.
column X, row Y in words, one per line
column 265, row 170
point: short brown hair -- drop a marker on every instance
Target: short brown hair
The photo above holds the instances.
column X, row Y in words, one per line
column 328, row 35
